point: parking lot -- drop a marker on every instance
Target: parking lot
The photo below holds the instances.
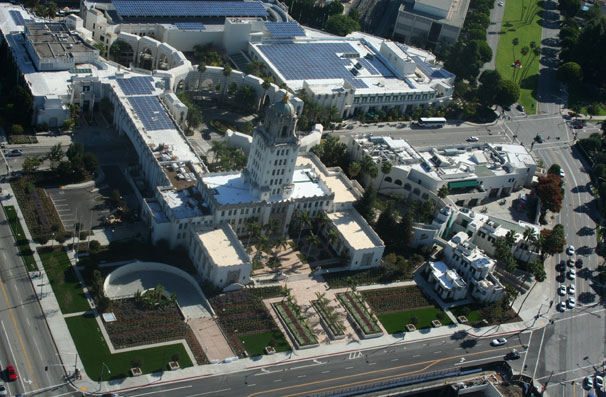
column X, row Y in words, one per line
column 83, row 205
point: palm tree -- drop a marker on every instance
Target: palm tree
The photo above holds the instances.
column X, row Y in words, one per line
column 332, row 236
column 515, row 42
column 219, row 149
column 510, row 238
column 226, row 73
column 321, row 220
column 443, row 192
column 367, row 164
column 312, row 240
column 201, row 69
column 253, row 229
column 304, row 221
column 354, row 169
column 282, row 242
column 385, row 170
column 272, row 227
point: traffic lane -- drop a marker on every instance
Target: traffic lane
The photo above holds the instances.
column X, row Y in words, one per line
column 25, row 323
column 386, row 361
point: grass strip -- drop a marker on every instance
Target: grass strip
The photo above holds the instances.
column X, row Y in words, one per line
column 94, row 352
column 255, row 343
column 25, row 251
column 396, row 322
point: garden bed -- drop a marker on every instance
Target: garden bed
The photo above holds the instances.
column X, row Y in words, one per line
column 299, row 330
column 395, row 322
column 25, row 250
column 477, row 312
column 63, row 280
column 375, row 275
column 330, row 322
column 139, row 325
column 94, row 352
column 242, row 313
column 386, row 300
column 221, row 126
column 359, row 314
column 37, row 208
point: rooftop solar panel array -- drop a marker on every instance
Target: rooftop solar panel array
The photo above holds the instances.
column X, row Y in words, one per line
column 284, row 29
column 17, row 17
column 300, row 61
column 369, row 66
column 151, row 113
column 136, row 86
column 379, row 66
column 190, row 26
column 189, row 8
column 431, row 71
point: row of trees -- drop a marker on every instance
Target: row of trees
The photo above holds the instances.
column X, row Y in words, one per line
column 310, row 13
column 550, row 191
column 75, row 168
column 313, row 113
column 583, row 59
column 227, row 158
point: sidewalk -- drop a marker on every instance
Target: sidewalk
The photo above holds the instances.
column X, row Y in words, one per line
column 67, row 350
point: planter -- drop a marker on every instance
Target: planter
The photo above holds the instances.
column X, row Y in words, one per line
column 359, row 316
column 298, row 330
column 436, row 323
column 334, row 331
column 462, row 319
column 269, row 350
column 410, row 327
column 173, row 365
column 136, row 371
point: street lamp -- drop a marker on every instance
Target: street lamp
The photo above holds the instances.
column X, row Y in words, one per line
column 101, row 374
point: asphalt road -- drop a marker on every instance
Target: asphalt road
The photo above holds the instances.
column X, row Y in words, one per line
column 354, row 368
column 25, row 340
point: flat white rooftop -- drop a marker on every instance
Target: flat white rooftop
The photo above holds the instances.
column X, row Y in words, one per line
column 448, row 277
column 355, row 230
column 223, row 247
column 183, row 204
column 231, row 188
column 342, row 190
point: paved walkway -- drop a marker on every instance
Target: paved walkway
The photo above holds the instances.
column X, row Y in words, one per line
column 211, row 339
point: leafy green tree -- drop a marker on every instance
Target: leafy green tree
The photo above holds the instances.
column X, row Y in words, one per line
column 55, row 155
column 91, row 163
column 569, row 8
column 365, row 204
column 354, row 169
column 443, row 192
column 341, row 25
column 489, row 79
column 387, row 226
column 554, row 169
column 507, row 93
column 31, row 163
column 17, row 129
column 552, row 241
column 331, row 151
column 570, row 73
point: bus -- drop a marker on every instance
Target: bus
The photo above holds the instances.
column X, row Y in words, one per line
column 432, row 122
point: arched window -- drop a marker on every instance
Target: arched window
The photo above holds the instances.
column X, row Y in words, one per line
column 398, row 182
column 284, row 131
column 425, row 196
column 407, row 187
column 417, row 192
column 388, row 179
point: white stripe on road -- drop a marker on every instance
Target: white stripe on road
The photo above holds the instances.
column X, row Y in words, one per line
column 162, row 391
column 208, row 392
column 8, row 342
column 539, row 354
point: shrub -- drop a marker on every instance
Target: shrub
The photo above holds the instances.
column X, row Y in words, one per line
column 440, row 315
column 94, row 246
column 137, row 362
column 175, row 357
column 43, row 239
column 414, row 320
column 60, row 238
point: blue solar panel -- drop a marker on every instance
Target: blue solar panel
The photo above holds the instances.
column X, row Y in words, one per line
column 17, row 17
column 284, row 29
column 190, row 26
column 369, row 66
column 189, row 8
column 151, row 113
column 136, row 86
column 300, row 61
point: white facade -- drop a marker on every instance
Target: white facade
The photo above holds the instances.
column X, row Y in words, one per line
column 220, row 257
column 474, row 173
column 448, row 284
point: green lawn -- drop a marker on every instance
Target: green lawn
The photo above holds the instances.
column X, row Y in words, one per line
column 521, row 21
column 255, row 343
column 94, row 352
column 473, row 316
column 22, row 243
column 396, row 322
column 577, row 97
column 63, row 279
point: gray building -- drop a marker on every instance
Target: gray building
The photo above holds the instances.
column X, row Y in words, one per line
column 430, row 23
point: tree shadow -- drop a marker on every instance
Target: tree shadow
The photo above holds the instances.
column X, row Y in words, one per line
column 459, row 335
column 551, row 42
column 468, row 343
column 531, row 83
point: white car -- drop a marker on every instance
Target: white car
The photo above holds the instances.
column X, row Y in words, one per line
column 599, row 383
column 562, row 290
column 588, row 382
column 561, row 307
column 501, row 4
column 570, row 250
column 572, row 274
column 562, row 174
column 3, row 391
column 498, row 342
column 473, row 139
column 571, row 302
column 571, row 289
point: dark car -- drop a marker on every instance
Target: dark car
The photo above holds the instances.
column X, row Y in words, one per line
column 14, row 153
column 508, row 108
column 580, row 263
column 520, row 107
column 513, row 355
column 539, row 139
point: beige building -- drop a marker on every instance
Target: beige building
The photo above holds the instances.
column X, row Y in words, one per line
column 362, row 245
column 220, row 257
column 430, row 23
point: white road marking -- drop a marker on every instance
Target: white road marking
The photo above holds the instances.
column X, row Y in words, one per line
column 395, row 359
column 162, row 391
column 437, row 352
column 252, row 384
column 539, row 354
column 301, row 376
column 372, row 363
column 8, row 343
column 325, row 372
column 417, row 355
column 349, row 368
column 277, row 380
column 528, row 347
column 208, row 392
column 570, row 370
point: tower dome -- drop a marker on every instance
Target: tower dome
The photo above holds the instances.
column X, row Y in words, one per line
column 284, row 107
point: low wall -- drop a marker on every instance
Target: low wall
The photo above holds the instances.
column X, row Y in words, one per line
column 139, row 266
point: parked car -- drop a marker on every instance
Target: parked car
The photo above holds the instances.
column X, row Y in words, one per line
column 570, row 250
column 520, row 107
column 11, row 374
column 3, row 391
column 513, row 355
column 539, row 139
column 572, row 274
column 571, row 302
column 561, row 307
column 571, row 289
column 498, row 342
column 570, row 262
column 14, row 153
column 588, row 382
column 580, row 263
column 473, row 139
column 562, row 173
column 501, row 4
column 562, row 290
